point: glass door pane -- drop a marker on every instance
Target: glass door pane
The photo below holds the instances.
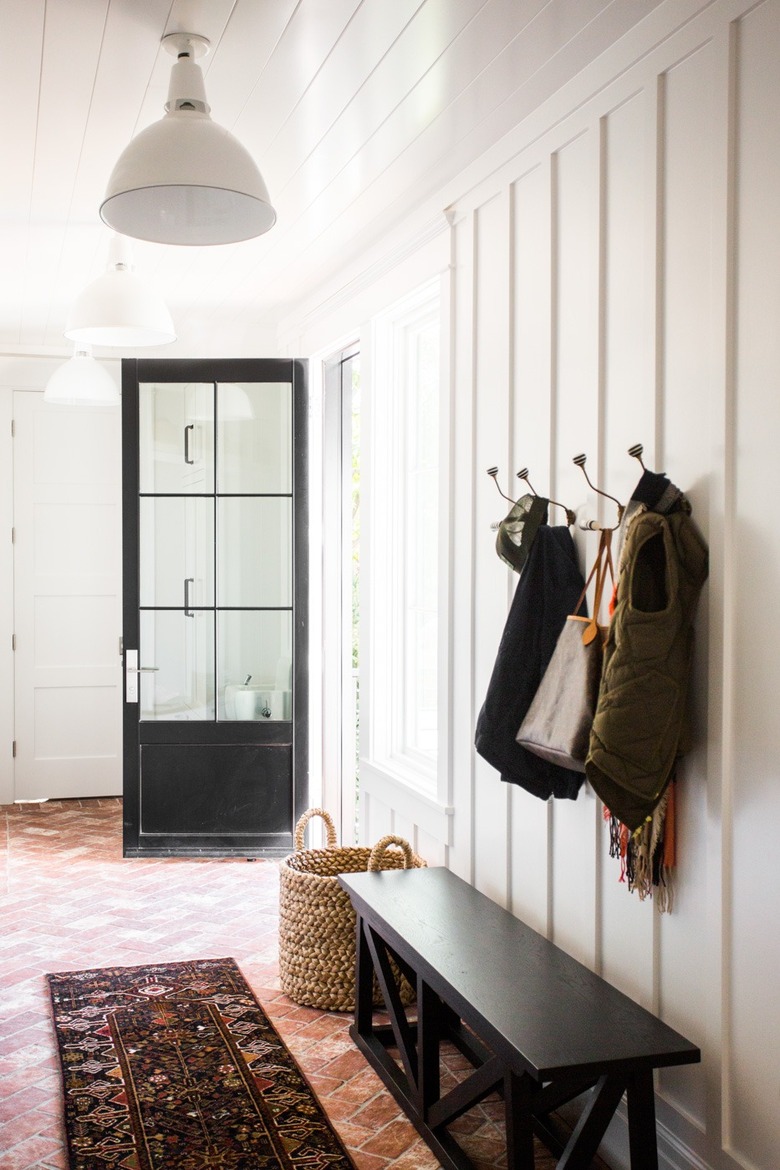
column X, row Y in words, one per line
column 254, row 438
column 176, row 657
column 176, row 553
column 254, row 558
column 176, row 437
column 255, row 665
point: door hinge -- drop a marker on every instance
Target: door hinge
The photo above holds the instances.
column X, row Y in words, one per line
column 13, row 641
column 13, row 536
column 13, row 429
column 14, row 750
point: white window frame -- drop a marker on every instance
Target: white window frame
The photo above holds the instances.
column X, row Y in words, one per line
column 338, row 733
column 384, row 759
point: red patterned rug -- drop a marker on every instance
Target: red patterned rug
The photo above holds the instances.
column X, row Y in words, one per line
column 177, row 1067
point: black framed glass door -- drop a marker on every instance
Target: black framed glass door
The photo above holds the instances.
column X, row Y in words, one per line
column 215, row 591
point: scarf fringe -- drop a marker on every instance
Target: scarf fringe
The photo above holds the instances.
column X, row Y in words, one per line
column 648, row 855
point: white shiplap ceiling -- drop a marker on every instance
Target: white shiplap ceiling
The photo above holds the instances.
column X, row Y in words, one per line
column 355, row 110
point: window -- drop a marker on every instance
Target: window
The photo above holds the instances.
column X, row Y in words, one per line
column 406, row 438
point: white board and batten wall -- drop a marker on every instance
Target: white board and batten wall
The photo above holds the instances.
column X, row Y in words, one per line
column 614, row 276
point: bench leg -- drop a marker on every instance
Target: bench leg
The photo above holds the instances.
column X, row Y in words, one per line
column 364, row 982
column 428, row 1043
column 519, row 1121
column 642, row 1139
column 592, row 1125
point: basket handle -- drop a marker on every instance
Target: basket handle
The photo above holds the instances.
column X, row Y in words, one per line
column 300, row 828
column 375, row 857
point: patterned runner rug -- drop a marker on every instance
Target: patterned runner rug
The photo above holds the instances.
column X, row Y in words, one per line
column 177, row 1067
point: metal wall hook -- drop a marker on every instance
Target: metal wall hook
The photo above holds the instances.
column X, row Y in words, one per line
column 493, row 473
column 570, row 516
column 636, row 453
column 579, row 461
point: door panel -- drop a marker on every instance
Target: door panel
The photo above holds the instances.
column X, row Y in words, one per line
column 216, row 587
column 253, row 801
column 67, row 586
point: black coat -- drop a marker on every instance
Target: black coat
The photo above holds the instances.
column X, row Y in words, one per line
column 547, row 592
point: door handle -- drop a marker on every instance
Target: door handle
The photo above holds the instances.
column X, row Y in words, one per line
column 187, row 582
column 187, row 429
column 131, row 676
column 132, row 671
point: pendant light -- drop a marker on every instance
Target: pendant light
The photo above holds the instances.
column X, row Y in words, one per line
column 184, row 179
column 81, row 381
column 119, row 308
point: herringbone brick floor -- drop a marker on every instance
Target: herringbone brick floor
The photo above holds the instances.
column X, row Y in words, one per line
column 68, row 901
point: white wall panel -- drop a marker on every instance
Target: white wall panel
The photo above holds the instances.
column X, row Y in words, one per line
column 753, row 1069
column 432, row 850
column 628, row 217
column 463, row 489
column 629, row 238
column 576, row 317
column 404, row 827
column 532, row 328
column 576, row 330
column 529, row 838
column 629, row 375
column 687, row 329
column 531, row 340
column 491, row 334
column 377, row 818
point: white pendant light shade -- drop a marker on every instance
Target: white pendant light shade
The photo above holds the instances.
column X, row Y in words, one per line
column 81, row 382
column 118, row 308
column 184, row 179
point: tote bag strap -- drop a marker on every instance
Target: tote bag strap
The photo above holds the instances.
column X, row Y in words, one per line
column 601, row 566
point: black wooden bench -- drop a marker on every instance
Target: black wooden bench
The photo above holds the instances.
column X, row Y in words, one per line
column 537, row 1026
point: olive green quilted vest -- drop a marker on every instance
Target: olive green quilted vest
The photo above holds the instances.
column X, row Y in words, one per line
column 638, row 727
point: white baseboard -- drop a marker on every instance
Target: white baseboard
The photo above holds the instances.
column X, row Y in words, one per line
column 673, row 1152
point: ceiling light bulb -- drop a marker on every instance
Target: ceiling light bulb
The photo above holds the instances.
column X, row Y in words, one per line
column 184, row 179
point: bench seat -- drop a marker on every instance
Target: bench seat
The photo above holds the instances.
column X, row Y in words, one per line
column 537, row 1025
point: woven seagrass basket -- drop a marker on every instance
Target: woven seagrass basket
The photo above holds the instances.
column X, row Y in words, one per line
column 316, row 919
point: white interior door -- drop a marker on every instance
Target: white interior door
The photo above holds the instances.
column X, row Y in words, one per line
column 67, row 600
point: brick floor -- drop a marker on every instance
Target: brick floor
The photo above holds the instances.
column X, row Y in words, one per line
column 68, row 901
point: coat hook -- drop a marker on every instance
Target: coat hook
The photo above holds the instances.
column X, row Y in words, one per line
column 636, row 453
column 570, row 516
column 493, row 473
column 579, row 461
